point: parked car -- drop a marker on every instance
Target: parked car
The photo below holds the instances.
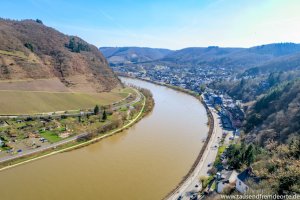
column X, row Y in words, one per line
column 194, row 197
column 9, row 151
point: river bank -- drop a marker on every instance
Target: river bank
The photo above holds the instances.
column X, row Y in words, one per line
column 146, row 107
column 211, row 125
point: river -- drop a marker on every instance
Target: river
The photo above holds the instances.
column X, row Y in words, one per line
column 145, row 161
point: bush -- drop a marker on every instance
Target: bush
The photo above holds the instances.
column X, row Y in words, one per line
column 239, row 155
column 96, row 110
column 204, row 181
column 39, row 21
column 29, row 46
column 77, row 46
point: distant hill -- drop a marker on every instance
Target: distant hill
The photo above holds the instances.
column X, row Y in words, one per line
column 276, row 49
column 118, row 55
column 31, row 50
column 242, row 58
column 283, row 63
column 213, row 56
column 201, row 56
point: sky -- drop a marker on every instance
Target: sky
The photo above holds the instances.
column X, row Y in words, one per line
column 172, row 24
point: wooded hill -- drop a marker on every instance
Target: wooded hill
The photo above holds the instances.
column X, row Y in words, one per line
column 276, row 115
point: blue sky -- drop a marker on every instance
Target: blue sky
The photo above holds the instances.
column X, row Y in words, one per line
column 170, row 24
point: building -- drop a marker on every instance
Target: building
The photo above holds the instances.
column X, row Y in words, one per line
column 217, row 100
column 235, row 115
column 226, row 123
column 226, row 179
column 232, row 117
column 243, row 179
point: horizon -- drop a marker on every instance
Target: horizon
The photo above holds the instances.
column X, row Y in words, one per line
column 199, row 46
column 169, row 25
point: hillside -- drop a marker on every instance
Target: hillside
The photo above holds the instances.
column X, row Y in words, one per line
column 276, row 115
column 117, row 55
column 30, row 50
column 270, row 141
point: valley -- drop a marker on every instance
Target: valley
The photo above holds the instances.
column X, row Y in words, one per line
column 149, row 100
column 257, row 99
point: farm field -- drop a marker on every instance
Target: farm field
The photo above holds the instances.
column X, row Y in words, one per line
column 13, row 102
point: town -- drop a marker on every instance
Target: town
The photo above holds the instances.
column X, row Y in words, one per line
column 186, row 77
column 194, row 79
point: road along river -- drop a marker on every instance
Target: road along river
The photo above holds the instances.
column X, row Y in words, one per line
column 145, row 161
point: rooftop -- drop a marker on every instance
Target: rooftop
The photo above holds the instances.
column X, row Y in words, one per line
column 248, row 175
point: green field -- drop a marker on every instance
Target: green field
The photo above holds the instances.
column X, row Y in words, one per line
column 30, row 102
column 50, row 136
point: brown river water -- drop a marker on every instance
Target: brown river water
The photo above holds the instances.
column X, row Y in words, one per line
column 144, row 162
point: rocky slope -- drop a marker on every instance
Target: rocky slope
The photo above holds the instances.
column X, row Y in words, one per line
column 31, row 50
